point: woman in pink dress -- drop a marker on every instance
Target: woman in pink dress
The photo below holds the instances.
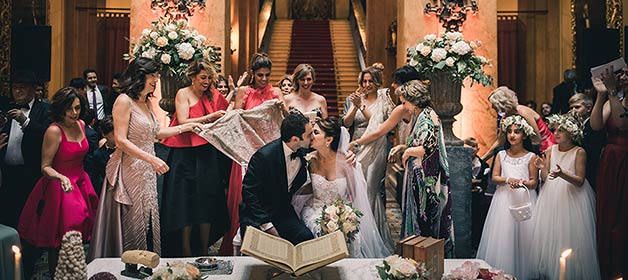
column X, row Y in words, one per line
column 257, row 92
column 63, row 199
column 505, row 102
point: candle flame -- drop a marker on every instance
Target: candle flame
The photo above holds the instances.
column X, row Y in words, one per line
column 15, row 249
column 565, row 253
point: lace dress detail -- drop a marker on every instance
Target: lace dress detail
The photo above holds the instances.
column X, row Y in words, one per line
column 324, row 192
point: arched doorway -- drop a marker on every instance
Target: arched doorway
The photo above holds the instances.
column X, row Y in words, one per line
column 312, row 9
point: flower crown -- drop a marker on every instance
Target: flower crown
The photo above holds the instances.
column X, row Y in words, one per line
column 520, row 122
column 569, row 123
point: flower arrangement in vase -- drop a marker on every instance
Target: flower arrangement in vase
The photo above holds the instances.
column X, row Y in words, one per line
column 450, row 53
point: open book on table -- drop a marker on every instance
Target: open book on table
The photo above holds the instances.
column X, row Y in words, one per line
column 300, row 259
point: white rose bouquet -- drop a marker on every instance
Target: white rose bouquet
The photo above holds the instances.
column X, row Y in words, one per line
column 398, row 268
column 471, row 270
column 340, row 215
column 174, row 44
column 177, row 270
column 449, row 52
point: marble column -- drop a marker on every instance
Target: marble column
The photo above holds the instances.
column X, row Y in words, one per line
column 213, row 23
column 477, row 119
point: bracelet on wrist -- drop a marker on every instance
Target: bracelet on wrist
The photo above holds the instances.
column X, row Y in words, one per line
column 507, row 179
column 179, row 128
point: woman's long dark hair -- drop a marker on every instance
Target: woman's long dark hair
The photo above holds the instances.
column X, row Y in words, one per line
column 331, row 126
column 133, row 79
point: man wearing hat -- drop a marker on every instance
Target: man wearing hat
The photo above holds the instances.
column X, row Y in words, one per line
column 20, row 146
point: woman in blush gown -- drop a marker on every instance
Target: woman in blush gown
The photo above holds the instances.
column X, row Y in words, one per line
column 333, row 179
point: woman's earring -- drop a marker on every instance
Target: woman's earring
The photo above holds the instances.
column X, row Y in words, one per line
column 327, row 144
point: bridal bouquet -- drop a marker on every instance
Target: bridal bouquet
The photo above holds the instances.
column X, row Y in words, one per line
column 399, row 268
column 340, row 215
column 471, row 271
column 177, row 270
column 173, row 43
column 449, row 52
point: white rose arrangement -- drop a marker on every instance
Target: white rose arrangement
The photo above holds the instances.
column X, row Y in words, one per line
column 520, row 122
column 399, row 268
column 569, row 123
column 471, row 270
column 340, row 215
column 174, row 44
column 449, row 52
column 177, row 270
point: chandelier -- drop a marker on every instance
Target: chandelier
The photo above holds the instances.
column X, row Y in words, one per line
column 451, row 13
column 178, row 9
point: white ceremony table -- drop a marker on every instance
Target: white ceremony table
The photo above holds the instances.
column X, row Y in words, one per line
column 251, row 268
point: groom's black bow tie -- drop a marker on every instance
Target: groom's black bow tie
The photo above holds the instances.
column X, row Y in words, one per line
column 20, row 106
column 299, row 153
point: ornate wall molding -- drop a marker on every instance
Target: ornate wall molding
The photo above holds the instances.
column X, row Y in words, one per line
column 614, row 19
column 5, row 46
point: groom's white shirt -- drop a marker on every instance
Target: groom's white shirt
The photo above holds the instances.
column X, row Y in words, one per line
column 292, row 169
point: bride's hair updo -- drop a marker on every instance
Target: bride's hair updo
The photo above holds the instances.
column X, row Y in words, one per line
column 331, row 127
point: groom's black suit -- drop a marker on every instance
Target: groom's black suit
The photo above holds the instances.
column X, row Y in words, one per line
column 266, row 197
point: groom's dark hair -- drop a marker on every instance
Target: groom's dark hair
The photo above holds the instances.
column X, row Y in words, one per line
column 293, row 125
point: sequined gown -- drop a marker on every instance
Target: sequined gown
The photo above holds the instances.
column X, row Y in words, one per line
column 129, row 213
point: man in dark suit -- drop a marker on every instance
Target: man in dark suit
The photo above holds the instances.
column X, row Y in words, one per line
column 564, row 91
column 20, row 155
column 99, row 97
column 274, row 173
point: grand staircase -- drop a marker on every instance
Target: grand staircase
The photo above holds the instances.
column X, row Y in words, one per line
column 326, row 45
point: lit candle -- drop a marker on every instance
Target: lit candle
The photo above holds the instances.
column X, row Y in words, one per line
column 18, row 261
column 563, row 263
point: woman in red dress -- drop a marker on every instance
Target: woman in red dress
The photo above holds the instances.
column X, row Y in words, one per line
column 69, row 200
column 194, row 200
column 257, row 92
column 610, row 113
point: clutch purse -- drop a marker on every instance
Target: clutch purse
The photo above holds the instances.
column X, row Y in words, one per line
column 523, row 211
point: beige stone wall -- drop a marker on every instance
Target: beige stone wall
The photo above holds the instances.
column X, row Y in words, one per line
column 477, row 119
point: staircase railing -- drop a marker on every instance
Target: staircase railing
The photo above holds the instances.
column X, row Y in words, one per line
column 265, row 22
column 357, row 20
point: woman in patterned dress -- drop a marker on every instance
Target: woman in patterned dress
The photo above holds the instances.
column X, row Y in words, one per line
column 426, row 201
column 128, row 217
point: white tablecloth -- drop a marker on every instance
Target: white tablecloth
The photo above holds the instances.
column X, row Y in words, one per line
column 251, row 268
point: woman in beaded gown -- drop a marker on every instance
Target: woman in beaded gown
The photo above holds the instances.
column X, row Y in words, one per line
column 257, row 92
column 333, row 179
column 365, row 112
column 310, row 103
column 128, row 217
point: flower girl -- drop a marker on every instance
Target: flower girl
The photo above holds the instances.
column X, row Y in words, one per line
column 565, row 212
column 505, row 241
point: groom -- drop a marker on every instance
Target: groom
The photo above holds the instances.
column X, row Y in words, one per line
column 274, row 174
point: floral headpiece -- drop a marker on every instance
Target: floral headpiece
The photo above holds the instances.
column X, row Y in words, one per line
column 569, row 123
column 520, row 122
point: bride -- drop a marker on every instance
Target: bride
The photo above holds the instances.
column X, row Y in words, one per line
column 333, row 179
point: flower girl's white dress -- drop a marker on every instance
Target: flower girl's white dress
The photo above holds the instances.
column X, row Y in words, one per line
column 505, row 242
column 565, row 218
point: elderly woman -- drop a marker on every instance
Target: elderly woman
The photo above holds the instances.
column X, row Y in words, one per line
column 505, row 102
column 128, row 217
column 610, row 114
column 193, row 193
column 426, row 203
column 311, row 104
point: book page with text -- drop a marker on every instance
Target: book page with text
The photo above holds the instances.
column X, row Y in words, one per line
column 319, row 249
column 268, row 246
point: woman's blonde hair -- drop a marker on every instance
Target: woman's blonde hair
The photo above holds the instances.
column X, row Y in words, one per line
column 503, row 99
column 300, row 72
column 416, row 93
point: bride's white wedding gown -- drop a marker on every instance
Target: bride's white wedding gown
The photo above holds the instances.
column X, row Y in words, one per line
column 368, row 243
